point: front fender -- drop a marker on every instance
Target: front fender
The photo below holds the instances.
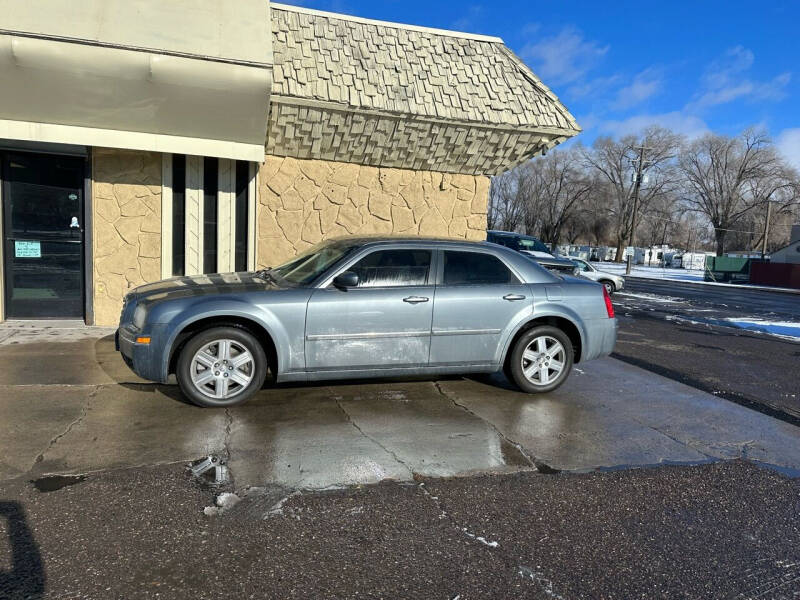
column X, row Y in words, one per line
column 542, row 310
column 229, row 307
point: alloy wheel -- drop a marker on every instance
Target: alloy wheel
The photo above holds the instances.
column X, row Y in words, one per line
column 222, row 369
column 543, row 360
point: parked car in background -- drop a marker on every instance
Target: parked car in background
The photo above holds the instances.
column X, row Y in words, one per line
column 532, row 247
column 366, row 307
column 611, row 281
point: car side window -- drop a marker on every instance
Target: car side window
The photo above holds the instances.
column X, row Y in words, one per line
column 393, row 268
column 475, row 268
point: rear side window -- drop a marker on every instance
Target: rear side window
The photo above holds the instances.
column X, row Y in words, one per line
column 475, row 268
column 393, row 268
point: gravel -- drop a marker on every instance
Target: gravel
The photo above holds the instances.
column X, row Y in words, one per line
column 711, row 531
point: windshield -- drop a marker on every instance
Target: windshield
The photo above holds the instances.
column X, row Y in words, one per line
column 532, row 244
column 309, row 265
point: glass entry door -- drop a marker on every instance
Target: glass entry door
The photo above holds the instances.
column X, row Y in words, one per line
column 43, row 235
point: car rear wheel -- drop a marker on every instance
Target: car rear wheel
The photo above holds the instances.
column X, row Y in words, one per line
column 221, row 367
column 541, row 359
column 609, row 285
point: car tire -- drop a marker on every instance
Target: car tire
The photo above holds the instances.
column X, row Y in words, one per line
column 609, row 285
column 528, row 363
column 221, row 366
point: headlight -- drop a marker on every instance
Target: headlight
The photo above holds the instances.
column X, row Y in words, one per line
column 139, row 316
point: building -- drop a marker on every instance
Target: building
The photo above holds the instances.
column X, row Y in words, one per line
column 143, row 140
column 791, row 252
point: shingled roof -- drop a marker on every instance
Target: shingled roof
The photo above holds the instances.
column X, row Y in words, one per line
column 393, row 95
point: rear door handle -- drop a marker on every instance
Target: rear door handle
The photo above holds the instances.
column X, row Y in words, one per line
column 415, row 299
column 512, row 297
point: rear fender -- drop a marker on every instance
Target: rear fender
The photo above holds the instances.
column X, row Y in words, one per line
column 542, row 310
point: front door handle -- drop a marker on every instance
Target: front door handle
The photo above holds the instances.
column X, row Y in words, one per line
column 512, row 297
column 415, row 299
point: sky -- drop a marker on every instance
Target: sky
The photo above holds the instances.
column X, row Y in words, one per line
column 619, row 66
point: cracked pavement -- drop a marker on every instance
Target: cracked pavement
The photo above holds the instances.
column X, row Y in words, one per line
column 478, row 490
column 608, row 415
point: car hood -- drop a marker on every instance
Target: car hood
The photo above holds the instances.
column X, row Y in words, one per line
column 537, row 254
column 201, row 285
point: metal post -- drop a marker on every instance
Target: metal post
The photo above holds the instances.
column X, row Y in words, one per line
column 636, row 185
column 766, row 230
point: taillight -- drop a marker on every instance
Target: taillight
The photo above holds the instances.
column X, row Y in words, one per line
column 609, row 306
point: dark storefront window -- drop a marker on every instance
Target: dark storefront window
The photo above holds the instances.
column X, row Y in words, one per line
column 178, row 213
column 242, row 200
column 210, row 178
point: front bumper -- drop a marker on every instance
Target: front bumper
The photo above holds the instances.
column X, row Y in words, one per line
column 148, row 361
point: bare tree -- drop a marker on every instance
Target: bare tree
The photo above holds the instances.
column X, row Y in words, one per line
column 555, row 188
column 726, row 178
column 506, row 210
column 612, row 161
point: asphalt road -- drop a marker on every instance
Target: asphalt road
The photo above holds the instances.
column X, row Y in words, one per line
column 671, row 328
column 726, row 530
column 726, row 298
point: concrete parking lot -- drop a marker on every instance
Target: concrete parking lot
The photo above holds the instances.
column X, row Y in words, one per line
column 70, row 405
column 468, row 505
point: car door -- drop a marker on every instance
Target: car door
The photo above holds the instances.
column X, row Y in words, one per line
column 477, row 298
column 384, row 322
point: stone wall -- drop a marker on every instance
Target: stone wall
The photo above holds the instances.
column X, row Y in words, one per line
column 301, row 202
column 126, row 196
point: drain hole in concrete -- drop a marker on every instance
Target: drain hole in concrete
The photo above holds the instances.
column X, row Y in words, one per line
column 51, row 483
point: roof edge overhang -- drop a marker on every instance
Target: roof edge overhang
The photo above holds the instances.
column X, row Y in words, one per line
column 322, row 130
column 395, row 25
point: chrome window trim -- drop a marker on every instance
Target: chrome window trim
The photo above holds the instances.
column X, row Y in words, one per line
column 466, row 331
column 366, row 336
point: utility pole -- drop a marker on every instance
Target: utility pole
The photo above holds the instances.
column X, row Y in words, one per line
column 636, row 186
column 766, row 230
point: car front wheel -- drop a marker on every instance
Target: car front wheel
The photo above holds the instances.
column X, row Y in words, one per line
column 221, row 367
column 541, row 359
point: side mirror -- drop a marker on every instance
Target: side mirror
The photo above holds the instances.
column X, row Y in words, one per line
column 345, row 280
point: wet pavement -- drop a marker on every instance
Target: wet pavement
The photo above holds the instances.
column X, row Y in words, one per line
column 477, row 490
column 74, row 407
column 684, row 337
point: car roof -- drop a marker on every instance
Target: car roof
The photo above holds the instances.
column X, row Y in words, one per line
column 370, row 240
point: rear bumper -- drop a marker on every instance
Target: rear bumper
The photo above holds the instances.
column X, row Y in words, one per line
column 601, row 337
column 146, row 360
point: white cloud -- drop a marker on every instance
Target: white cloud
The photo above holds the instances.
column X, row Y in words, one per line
column 563, row 58
column 468, row 19
column 679, row 122
column 788, row 143
column 596, row 87
column 725, row 80
column 645, row 85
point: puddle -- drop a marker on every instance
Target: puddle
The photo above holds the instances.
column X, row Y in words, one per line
column 51, row 483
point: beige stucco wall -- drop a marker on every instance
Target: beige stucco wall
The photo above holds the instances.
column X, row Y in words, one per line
column 301, row 202
column 126, row 199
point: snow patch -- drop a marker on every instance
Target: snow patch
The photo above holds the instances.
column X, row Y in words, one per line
column 783, row 329
column 224, row 502
column 481, row 539
column 538, row 577
column 651, row 297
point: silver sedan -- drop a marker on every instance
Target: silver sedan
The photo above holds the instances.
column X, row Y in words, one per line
column 611, row 281
column 366, row 307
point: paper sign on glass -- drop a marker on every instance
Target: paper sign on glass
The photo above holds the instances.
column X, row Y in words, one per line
column 24, row 249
